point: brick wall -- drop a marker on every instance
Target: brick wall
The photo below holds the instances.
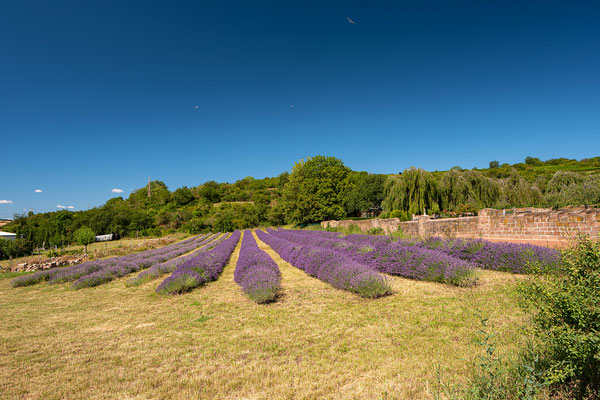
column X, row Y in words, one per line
column 526, row 225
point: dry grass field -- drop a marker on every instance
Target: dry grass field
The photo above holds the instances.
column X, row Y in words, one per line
column 315, row 342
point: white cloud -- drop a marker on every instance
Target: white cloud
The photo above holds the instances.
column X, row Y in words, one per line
column 59, row 206
column 38, row 190
column 70, row 207
column 116, row 190
column 6, row 201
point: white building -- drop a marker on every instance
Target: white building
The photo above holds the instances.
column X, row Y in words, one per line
column 8, row 235
column 104, row 238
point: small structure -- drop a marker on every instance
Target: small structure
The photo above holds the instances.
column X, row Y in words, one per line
column 8, row 235
column 104, row 238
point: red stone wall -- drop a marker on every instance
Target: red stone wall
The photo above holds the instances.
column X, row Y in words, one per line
column 528, row 225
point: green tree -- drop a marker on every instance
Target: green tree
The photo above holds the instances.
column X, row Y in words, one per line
column 183, row 196
column 365, row 194
column 315, row 190
column 8, row 249
column 159, row 195
column 276, row 215
column 468, row 187
column 211, row 191
column 415, row 191
column 570, row 188
column 84, row 236
column 262, row 200
column 515, row 191
column 494, row 164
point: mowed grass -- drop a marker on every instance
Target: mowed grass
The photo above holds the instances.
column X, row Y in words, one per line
column 315, row 342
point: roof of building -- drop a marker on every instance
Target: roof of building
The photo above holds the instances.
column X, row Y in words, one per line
column 7, row 234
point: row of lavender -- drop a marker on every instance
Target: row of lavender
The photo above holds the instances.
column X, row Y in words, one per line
column 444, row 260
column 256, row 272
column 96, row 272
column 200, row 269
column 169, row 266
column 500, row 256
column 517, row 258
column 389, row 256
column 329, row 265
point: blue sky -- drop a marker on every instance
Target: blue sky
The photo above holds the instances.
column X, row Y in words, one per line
column 101, row 95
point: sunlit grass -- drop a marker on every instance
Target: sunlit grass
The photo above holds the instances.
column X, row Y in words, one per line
column 315, row 341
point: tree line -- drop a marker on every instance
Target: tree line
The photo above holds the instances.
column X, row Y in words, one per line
column 320, row 188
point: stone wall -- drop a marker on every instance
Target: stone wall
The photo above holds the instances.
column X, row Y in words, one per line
column 552, row 227
column 541, row 226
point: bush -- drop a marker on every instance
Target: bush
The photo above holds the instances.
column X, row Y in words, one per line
column 567, row 319
column 256, row 272
column 401, row 215
column 376, row 231
column 371, row 284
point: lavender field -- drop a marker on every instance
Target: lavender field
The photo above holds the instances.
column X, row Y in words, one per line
column 357, row 263
column 349, row 316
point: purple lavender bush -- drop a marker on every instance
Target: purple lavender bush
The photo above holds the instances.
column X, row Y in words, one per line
column 31, row 279
column 169, row 266
column 510, row 257
column 329, row 266
column 422, row 264
column 395, row 257
column 125, row 265
column 518, row 258
column 118, row 266
column 256, row 272
column 200, row 269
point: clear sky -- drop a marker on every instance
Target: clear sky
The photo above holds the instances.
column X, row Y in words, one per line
column 100, row 95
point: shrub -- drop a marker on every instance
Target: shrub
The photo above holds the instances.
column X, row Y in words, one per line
column 86, row 274
column 200, row 269
column 370, row 284
column 32, row 279
column 166, row 267
column 567, row 319
column 511, row 257
column 396, row 257
column 401, row 215
column 327, row 264
column 256, row 272
column 376, row 231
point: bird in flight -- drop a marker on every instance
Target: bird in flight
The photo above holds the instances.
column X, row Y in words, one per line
column 352, row 22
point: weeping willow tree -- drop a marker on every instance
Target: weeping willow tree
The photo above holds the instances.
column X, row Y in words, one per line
column 570, row 188
column 562, row 180
column 467, row 187
column 541, row 182
column 515, row 191
column 415, row 191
